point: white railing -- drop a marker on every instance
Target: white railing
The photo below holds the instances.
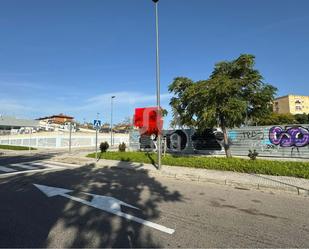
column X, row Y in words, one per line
column 61, row 140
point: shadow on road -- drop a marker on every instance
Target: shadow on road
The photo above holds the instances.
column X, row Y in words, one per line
column 9, row 159
column 31, row 219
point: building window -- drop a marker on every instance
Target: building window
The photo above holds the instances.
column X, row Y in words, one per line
column 298, row 108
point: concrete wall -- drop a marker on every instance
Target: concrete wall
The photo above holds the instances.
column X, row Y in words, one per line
column 269, row 141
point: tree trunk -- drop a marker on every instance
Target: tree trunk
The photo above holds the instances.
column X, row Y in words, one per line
column 226, row 142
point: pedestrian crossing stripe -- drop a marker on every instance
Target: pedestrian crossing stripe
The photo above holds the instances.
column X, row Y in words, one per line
column 27, row 167
column 6, row 169
column 24, row 166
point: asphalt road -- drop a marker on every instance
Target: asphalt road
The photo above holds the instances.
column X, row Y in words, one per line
column 202, row 214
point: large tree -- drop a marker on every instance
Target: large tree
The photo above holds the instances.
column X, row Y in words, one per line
column 277, row 119
column 235, row 92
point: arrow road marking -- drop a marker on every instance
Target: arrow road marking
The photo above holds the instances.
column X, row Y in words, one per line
column 105, row 203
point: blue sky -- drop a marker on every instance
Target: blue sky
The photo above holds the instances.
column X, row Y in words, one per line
column 71, row 56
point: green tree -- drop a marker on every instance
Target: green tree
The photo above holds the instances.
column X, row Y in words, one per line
column 278, row 119
column 302, row 118
column 164, row 112
column 233, row 93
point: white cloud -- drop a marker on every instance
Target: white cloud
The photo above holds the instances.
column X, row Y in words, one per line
column 131, row 98
column 9, row 106
column 124, row 105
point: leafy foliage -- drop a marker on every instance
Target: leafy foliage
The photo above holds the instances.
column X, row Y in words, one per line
column 122, row 147
column 302, row 118
column 253, row 154
column 277, row 119
column 268, row 167
column 233, row 93
column 104, row 146
column 164, row 112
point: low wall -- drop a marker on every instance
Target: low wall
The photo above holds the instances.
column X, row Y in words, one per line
column 290, row 141
column 61, row 140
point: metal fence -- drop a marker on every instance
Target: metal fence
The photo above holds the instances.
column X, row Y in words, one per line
column 291, row 141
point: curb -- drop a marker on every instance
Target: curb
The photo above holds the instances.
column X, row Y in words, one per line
column 285, row 187
column 191, row 177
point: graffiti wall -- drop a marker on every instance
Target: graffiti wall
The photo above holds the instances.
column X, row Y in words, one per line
column 190, row 141
column 270, row 141
column 274, row 141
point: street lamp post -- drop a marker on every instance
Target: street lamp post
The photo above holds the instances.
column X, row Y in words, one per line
column 30, row 132
column 96, row 138
column 159, row 148
column 70, row 137
column 112, row 97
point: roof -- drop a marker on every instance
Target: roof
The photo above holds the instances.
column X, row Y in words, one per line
column 281, row 97
column 285, row 96
column 14, row 122
column 56, row 116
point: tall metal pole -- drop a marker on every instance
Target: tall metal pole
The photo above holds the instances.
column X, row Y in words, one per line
column 30, row 131
column 70, row 138
column 112, row 97
column 159, row 148
column 96, row 139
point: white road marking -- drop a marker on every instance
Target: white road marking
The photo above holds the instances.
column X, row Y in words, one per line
column 47, row 165
column 24, row 166
column 5, row 169
column 105, row 203
column 63, row 164
column 29, row 166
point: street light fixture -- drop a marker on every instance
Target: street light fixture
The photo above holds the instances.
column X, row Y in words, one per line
column 112, row 97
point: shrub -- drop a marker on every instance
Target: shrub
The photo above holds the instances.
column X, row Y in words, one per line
column 268, row 167
column 253, row 154
column 15, row 147
column 122, row 147
column 104, row 146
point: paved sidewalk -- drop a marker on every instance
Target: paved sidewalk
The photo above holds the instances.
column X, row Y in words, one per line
column 280, row 183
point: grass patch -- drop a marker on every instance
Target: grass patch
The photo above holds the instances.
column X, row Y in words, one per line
column 259, row 166
column 14, row 147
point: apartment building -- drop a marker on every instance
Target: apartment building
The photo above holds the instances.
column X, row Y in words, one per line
column 58, row 122
column 293, row 104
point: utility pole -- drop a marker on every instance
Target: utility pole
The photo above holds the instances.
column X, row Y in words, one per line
column 159, row 142
column 112, row 97
column 96, row 138
column 70, row 138
column 30, row 131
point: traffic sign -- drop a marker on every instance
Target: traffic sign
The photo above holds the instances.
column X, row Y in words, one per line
column 97, row 123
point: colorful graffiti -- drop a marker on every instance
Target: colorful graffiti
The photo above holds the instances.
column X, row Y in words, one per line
column 271, row 141
column 296, row 136
column 177, row 140
column 209, row 139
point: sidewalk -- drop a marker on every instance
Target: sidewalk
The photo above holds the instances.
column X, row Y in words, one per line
column 299, row 186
